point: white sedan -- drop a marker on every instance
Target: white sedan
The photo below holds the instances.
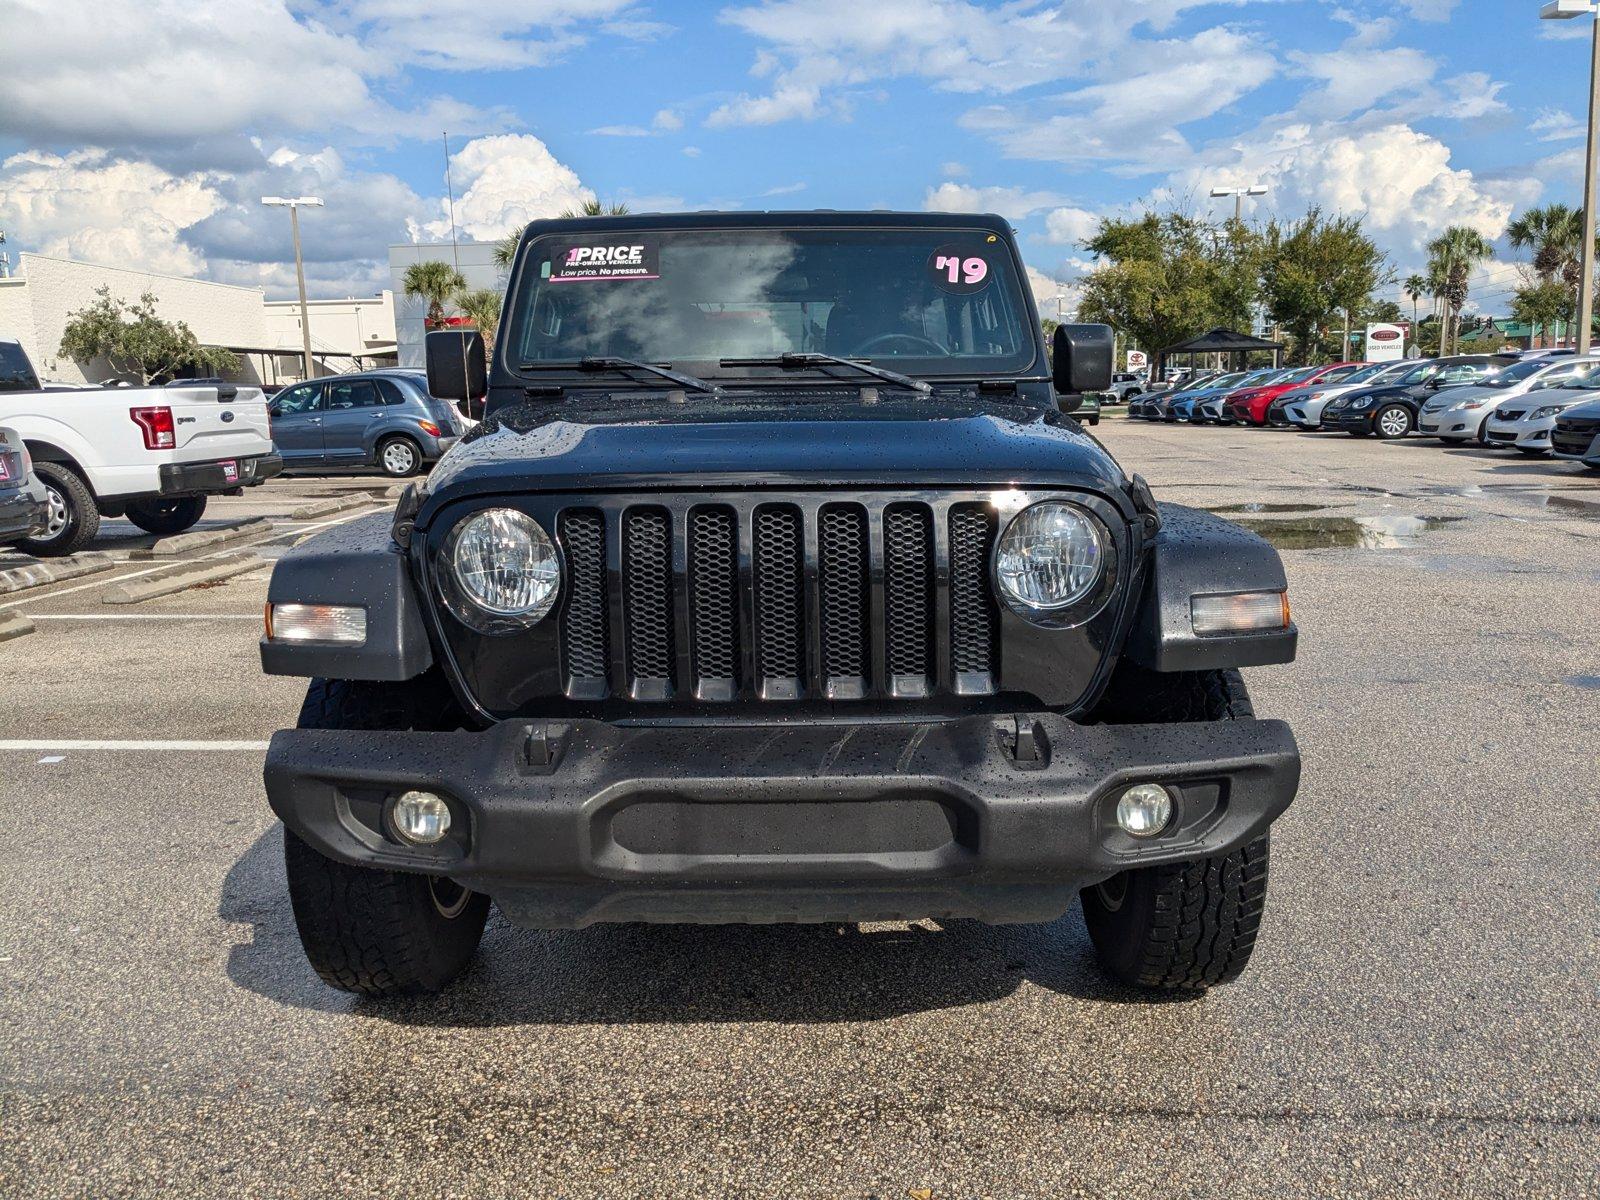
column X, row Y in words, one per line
column 1461, row 414
column 1526, row 422
column 1304, row 406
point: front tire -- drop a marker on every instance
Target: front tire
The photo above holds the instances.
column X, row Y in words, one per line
column 1188, row 925
column 1392, row 422
column 371, row 931
column 165, row 517
column 73, row 520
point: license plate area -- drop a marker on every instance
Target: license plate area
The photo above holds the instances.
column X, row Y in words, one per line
column 230, row 470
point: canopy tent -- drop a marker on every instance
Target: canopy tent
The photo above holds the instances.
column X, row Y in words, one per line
column 1219, row 341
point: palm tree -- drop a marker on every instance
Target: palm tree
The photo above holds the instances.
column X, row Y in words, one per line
column 505, row 250
column 1455, row 252
column 1555, row 235
column 434, row 281
column 1416, row 287
column 481, row 306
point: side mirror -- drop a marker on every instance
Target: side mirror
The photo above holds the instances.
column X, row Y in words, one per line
column 1083, row 357
column 457, row 368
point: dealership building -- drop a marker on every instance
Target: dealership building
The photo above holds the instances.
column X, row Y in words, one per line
column 346, row 335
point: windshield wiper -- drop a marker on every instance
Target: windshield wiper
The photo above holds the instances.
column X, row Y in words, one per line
column 626, row 364
column 795, row 359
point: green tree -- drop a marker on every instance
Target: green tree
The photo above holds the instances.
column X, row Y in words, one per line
column 434, row 281
column 1163, row 278
column 137, row 341
column 1416, row 287
column 1542, row 305
column 1453, row 256
column 1555, row 235
column 481, row 306
column 1319, row 273
column 505, row 250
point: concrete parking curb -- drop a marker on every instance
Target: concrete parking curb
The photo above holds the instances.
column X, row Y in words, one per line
column 339, row 504
column 201, row 539
column 14, row 625
column 37, row 574
column 179, row 577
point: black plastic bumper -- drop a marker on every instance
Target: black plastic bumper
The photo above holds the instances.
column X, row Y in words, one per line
column 1355, row 422
column 186, row 479
column 569, row 824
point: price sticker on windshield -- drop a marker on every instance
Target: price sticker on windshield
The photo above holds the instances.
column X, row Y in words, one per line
column 960, row 269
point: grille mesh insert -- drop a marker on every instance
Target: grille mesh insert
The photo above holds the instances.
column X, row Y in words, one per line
column 584, row 634
column 908, row 590
column 780, row 598
column 647, row 597
column 844, row 600
column 714, row 593
column 972, row 607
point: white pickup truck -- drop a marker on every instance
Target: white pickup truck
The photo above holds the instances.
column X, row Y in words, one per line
column 152, row 454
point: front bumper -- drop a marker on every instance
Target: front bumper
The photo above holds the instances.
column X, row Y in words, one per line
column 23, row 510
column 210, row 478
column 1452, row 425
column 1581, row 444
column 574, row 823
column 1348, row 420
column 1525, row 434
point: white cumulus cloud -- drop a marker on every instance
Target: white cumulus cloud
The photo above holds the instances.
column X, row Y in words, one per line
column 504, row 181
column 1013, row 203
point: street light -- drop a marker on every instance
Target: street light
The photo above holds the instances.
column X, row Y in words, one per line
column 1565, row 10
column 294, row 204
column 1238, row 194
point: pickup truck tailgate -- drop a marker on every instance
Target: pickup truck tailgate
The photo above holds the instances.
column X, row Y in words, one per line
column 210, row 423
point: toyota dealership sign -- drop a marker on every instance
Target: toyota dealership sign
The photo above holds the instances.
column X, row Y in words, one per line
column 1386, row 343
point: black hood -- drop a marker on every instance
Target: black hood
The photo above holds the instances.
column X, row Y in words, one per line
column 793, row 438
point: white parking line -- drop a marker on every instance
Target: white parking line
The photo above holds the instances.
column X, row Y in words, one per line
column 70, row 744
column 256, row 617
column 103, row 581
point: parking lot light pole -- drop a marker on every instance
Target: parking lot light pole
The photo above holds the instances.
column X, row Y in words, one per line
column 1566, row 10
column 1238, row 194
column 293, row 203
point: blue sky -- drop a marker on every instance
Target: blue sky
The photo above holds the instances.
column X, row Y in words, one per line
column 144, row 134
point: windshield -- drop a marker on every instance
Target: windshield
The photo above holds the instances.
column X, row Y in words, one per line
column 1587, row 382
column 1377, row 371
column 931, row 301
column 1516, row 373
column 16, row 374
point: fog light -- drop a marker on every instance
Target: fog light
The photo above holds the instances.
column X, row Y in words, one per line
column 1144, row 810
column 316, row 623
column 420, row 818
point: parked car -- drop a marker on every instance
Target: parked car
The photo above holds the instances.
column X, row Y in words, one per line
column 1577, row 434
column 1188, row 406
column 1248, row 406
column 1526, row 423
column 24, row 503
column 1302, row 407
column 1087, row 409
column 1124, row 386
column 1461, row 414
column 383, row 419
column 1162, row 407
column 1277, row 410
column 152, row 454
column 1211, row 408
column 1390, row 410
column 534, row 685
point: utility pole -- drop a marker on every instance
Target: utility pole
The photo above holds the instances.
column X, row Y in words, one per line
column 293, row 205
column 1566, row 10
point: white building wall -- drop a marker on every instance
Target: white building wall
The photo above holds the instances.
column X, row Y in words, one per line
column 477, row 267
column 16, row 319
column 219, row 314
column 357, row 327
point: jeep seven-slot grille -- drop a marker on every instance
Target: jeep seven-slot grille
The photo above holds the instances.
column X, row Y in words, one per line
column 781, row 600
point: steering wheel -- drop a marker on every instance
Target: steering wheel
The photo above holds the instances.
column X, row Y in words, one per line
column 918, row 343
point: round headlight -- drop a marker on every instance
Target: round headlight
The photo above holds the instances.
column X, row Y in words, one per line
column 1049, row 558
column 503, row 569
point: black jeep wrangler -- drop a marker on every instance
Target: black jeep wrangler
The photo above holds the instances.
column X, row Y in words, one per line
column 778, row 584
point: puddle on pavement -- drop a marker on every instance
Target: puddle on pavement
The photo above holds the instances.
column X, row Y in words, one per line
column 1257, row 506
column 1583, row 681
column 1571, row 507
column 1384, row 532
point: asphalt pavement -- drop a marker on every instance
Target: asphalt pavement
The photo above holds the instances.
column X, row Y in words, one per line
column 1420, row 1018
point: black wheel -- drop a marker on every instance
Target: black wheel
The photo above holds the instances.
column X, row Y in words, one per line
column 1189, row 925
column 1094, row 420
column 376, row 932
column 1392, row 422
column 73, row 519
column 399, row 457
column 166, row 516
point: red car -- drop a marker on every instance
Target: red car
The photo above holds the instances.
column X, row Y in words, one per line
column 1249, row 405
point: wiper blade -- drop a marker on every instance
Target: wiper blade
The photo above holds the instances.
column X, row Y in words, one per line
column 795, row 359
column 607, row 363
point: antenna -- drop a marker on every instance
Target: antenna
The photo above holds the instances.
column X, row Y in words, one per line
column 455, row 253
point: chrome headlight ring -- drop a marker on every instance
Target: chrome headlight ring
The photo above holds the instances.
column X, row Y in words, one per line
column 1055, row 564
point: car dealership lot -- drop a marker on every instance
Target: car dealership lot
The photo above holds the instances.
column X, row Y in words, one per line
column 1420, row 1016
